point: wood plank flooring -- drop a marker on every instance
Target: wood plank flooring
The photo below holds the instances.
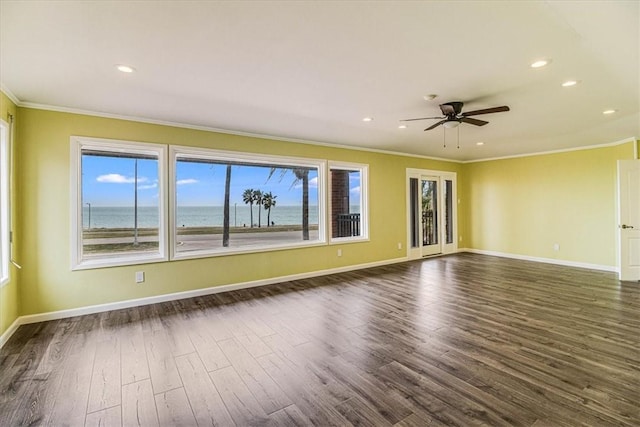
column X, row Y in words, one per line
column 462, row 340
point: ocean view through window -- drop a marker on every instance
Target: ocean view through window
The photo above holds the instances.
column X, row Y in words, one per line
column 229, row 203
column 134, row 202
column 119, row 195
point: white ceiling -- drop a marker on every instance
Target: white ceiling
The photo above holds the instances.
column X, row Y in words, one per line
column 312, row 70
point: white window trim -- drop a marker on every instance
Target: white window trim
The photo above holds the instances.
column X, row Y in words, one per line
column 5, row 204
column 257, row 159
column 108, row 145
column 364, row 201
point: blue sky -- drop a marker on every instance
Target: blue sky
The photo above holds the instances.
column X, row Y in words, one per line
column 109, row 181
column 201, row 184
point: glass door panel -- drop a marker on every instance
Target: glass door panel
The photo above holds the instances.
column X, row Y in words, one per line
column 414, row 213
column 429, row 215
column 448, row 211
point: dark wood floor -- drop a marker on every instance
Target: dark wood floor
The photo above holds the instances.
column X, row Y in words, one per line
column 459, row 340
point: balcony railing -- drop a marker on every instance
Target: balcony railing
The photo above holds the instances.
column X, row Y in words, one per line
column 429, row 231
column 348, row 225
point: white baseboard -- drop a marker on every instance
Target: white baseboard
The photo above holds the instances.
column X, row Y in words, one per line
column 9, row 332
column 545, row 260
column 61, row 314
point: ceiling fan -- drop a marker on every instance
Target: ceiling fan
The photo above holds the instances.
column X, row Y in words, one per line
column 453, row 115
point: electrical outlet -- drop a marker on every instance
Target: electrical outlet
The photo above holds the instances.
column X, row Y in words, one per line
column 339, row 252
column 399, row 246
column 556, row 247
column 139, row 276
column 459, row 238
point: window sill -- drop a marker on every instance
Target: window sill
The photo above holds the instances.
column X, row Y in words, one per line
column 343, row 240
column 240, row 251
column 117, row 261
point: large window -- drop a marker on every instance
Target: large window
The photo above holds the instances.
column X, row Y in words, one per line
column 348, row 201
column 133, row 203
column 4, row 202
column 117, row 203
column 228, row 203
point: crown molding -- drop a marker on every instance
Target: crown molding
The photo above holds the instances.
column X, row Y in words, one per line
column 563, row 150
column 55, row 108
column 10, row 94
column 224, row 131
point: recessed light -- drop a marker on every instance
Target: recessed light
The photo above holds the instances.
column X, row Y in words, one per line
column 609, row 111
column 479, row 143
column 402, row 127
column 540, row 63
column 367, row 119
column 569, row 83
column 125, row 68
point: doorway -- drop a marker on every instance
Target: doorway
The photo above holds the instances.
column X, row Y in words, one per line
column 432, row 216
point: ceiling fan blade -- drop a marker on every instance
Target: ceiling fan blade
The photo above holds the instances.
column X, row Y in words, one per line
column 436, row 125
column 473, row 121
column 421, row 118
column 486, row 111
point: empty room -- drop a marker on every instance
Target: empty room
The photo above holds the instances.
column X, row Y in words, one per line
column 319, row 213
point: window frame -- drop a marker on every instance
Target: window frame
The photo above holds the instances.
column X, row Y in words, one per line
column 78, row 144
column 364, row 201
column 246, row 158
column 5, row 204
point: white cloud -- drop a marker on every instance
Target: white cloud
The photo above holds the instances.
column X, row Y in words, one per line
column 116, row 178
column 148, row 186
column 355, row 190
column 186, row 181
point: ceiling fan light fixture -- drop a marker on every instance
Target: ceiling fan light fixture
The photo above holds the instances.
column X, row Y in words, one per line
column 570, row 83
column 367, row 119
column 402, row 126
column 607, row 112
column 452, row 124
column 480, row 143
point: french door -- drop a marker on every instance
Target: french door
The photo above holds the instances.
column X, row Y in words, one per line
column 432, row 219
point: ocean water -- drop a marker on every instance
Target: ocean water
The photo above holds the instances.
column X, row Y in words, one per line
column 193, row 216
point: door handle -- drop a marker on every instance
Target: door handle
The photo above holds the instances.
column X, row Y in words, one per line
column 625, row 226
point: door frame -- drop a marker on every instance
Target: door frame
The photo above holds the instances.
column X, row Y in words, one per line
column 442, row 176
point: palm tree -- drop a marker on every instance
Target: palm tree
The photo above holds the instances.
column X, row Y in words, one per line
column 301, row 174
column 269, row 201
column 225, row 221
column 247, row 197
column 257, row 199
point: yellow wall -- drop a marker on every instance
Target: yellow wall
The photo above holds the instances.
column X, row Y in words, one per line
column 525, row 205
column 48, row 284
column 9, row 302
